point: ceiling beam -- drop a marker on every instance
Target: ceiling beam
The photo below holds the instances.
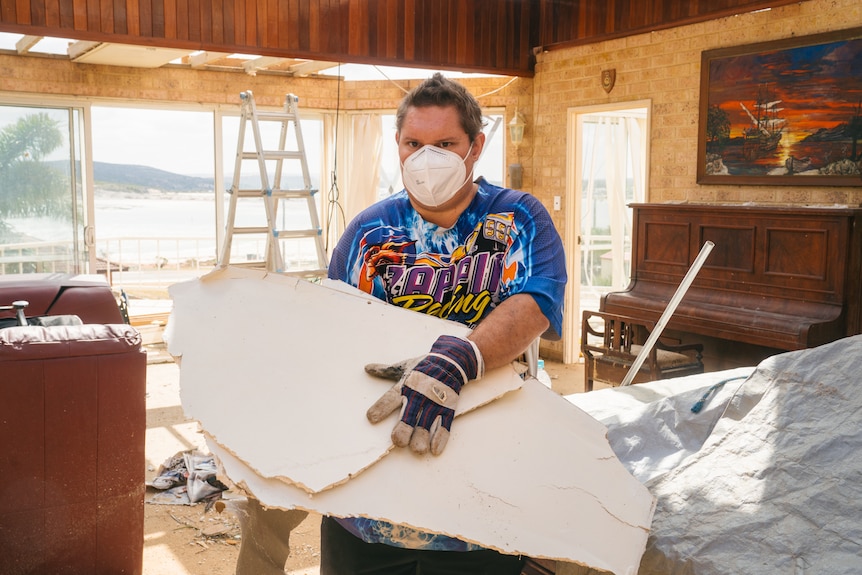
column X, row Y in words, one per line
column 24, row 44
column 310, row 67
column 79, row 48
column 252, row 66
column 201, row 59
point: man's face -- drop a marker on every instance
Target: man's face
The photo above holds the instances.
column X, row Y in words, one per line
column 436, row 126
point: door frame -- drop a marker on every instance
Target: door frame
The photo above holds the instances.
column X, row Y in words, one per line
column 571, row 237
column 81, row 132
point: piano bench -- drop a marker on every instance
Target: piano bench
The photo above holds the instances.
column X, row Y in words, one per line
column 608, row 343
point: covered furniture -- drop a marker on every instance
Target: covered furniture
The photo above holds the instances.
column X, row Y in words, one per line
column 88, row 297
column 611, row 343
column 72, row 432
column 762, row 478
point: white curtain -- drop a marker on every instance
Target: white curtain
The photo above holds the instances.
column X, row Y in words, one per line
column 616, row 155
column 363, row 160
column 351, row 156
column 637, row 141
column 631, row 131
column 591, row 170
column 351, row 152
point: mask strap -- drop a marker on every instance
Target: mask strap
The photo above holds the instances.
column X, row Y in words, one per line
column 464, row 161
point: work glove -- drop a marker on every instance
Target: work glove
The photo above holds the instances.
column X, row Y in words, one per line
column 427, row 392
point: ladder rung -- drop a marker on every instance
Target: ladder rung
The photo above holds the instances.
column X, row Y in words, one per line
column 255, row 193
column 292, row 234
column 298, row 193
column 277, row 116
column 280, row 234
column 288, row 194
column 252, row 230
column 274, row 155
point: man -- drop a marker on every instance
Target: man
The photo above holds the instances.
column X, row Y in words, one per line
column 463, row 250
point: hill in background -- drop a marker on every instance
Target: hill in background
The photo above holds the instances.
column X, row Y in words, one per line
column 131, row 178
column 137, row 179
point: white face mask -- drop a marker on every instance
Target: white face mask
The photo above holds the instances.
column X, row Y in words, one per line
column 433, row 175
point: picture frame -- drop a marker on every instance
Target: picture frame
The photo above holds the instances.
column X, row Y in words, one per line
column 785, row 112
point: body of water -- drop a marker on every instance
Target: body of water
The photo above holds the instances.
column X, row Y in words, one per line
column 135, row 220
column 155, row 217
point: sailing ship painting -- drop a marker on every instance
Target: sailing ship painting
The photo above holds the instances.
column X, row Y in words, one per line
column 786, row 112
column 763, row 135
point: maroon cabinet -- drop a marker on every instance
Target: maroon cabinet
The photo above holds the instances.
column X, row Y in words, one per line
column 72, row 432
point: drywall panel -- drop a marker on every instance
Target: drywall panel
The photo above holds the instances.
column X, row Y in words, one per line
column 273, row 368
column 528, row 474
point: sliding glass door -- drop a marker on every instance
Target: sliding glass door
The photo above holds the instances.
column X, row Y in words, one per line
column 42, row 212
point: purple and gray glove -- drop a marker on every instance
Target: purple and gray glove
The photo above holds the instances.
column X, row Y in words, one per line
column 427, row 392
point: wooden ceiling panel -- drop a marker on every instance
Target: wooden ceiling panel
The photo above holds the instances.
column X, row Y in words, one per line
column 497, row 36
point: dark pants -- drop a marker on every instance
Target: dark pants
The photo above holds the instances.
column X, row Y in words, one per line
column 342, row 553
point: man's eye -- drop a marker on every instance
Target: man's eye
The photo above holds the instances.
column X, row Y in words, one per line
column 413, row 144
column 445, row 144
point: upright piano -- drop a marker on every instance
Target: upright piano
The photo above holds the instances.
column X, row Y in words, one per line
column 779, row 278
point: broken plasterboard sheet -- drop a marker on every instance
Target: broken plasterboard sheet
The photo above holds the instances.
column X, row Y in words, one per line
column 528, row 474
column 273, row 367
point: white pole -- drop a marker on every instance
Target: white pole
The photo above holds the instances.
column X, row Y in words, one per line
column 668, row 311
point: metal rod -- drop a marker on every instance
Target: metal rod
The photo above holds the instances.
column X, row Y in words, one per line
column 668, row 311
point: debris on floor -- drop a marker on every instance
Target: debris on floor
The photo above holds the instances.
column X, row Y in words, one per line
column 186, row 478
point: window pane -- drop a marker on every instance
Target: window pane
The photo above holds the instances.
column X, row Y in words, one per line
column 154, row 195
column 41, row 224
column 490, row 165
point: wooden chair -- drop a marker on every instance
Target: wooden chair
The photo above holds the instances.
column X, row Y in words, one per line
column 611, row 342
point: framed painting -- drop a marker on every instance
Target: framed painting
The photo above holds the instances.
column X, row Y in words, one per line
column 787, row 112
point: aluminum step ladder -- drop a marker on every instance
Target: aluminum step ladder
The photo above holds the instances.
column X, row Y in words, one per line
column 270, row 194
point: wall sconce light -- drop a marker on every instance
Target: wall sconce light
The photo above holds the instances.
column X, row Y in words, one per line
column 516, row 134
column 516, row 128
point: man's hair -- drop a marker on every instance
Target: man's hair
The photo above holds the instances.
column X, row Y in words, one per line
column 440, row 91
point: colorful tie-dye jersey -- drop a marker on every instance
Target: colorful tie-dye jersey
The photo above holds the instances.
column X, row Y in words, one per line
column 503, row 244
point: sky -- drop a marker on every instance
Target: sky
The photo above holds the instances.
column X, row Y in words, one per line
column 176, row 141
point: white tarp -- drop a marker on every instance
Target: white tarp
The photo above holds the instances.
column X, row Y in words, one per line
column 272, row 366
column 775, row 487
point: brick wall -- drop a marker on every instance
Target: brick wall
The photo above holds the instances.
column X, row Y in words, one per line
column 664, row 66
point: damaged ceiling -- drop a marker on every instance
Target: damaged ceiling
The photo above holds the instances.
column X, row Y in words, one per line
column 136, row 56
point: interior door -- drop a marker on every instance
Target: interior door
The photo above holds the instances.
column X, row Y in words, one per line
column 607, row 171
